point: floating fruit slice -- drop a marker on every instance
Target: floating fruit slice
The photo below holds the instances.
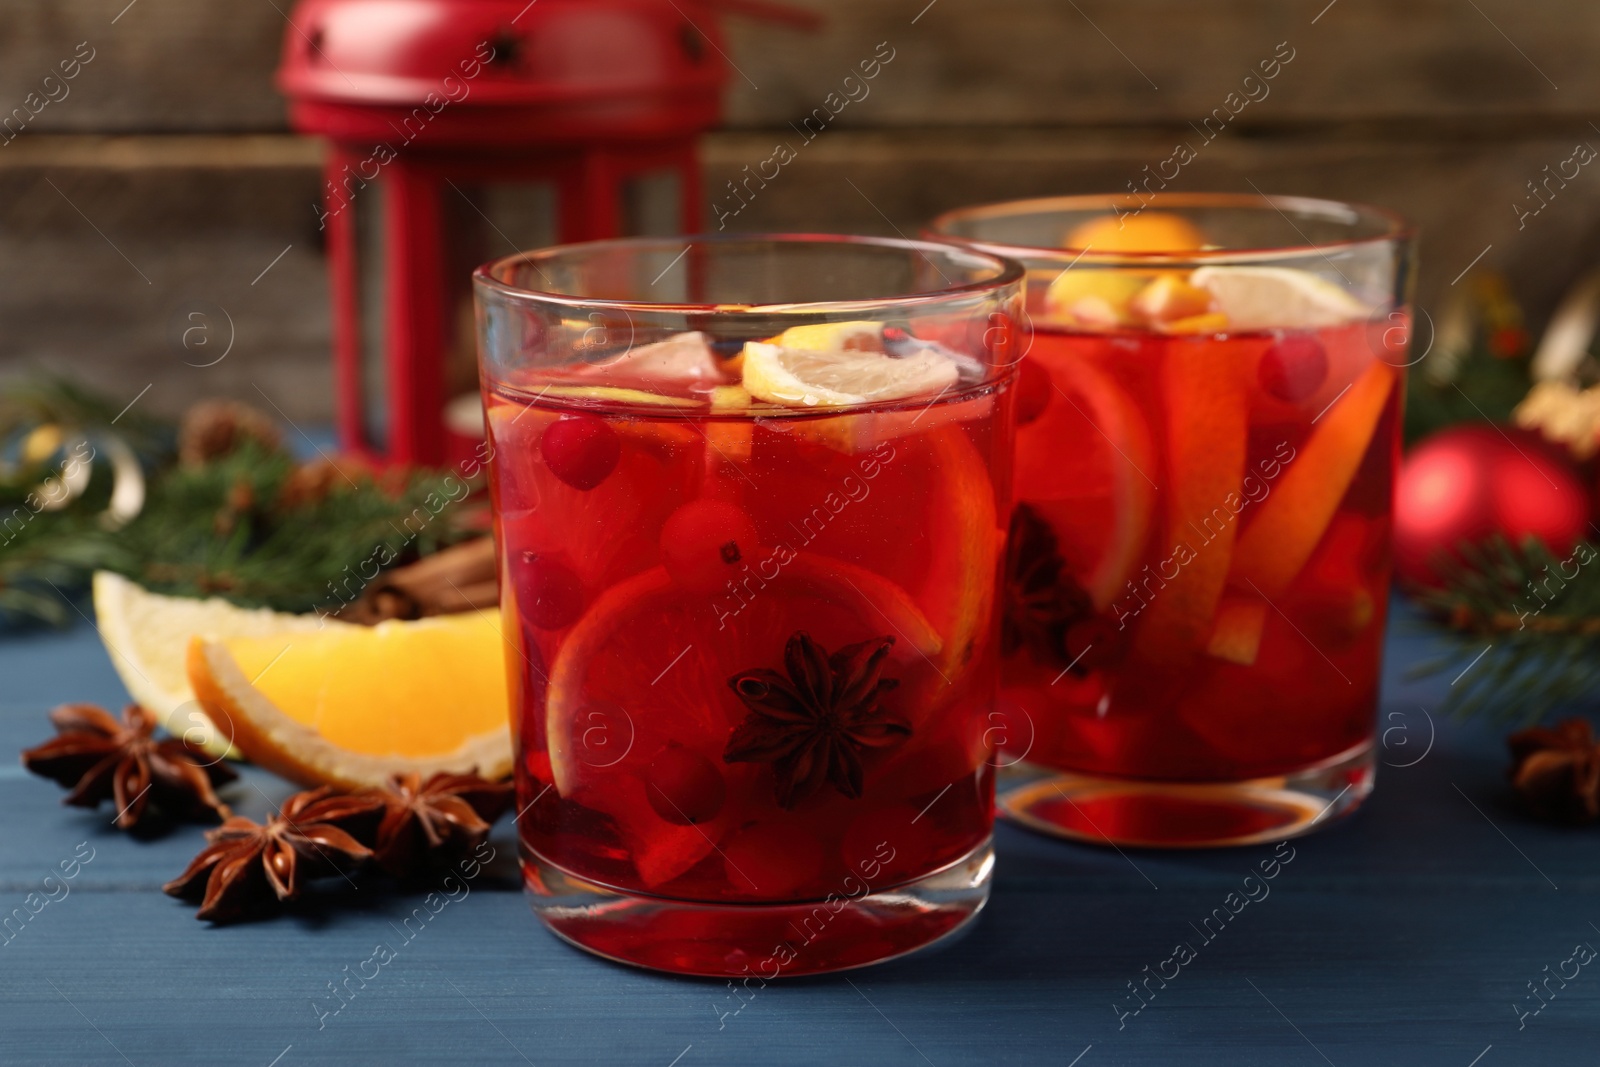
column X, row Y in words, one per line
column 1277, row 298
column 958, row 592
column 350, row 706
column 1093, row 299
column 678, row 361
column 729, row 439
column 653, row 660
column 803, row 377
column 1236, row 637
column 856, row 336
column 1169, row 299
column 1205, row 393
column 1085, row 463
column 614, row 394
column 147, row 635
column 1146, row 231
column 542, row 514
column 1292, row 520
column 944, row 547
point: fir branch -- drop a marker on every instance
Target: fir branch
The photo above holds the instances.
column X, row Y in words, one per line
column 54, row 399
column 225, row 529
column 1532, row 616
column 253, row 526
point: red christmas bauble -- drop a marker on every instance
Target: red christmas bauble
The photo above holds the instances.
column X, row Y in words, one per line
column 1468, row 483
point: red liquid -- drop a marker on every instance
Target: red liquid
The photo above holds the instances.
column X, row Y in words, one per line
column 703, row 547
column 1215, row 511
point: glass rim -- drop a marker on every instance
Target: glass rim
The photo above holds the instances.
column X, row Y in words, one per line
column 1396, row 230
column 490, row 277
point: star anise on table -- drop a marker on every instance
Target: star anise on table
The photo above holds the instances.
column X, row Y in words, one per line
column 250, row 866
column 1556, row 771
column 99, row 758
column 1040, row 600
column 813, row 723
column 429, row 824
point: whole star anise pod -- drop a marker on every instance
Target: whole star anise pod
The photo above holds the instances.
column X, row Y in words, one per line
column 813, row 724
column 250, row 866
column 1040, row 601
column 427, row 825
column 1556, row 771
column 99, row 758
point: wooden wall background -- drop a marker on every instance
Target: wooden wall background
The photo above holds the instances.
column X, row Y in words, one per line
column 165, row 179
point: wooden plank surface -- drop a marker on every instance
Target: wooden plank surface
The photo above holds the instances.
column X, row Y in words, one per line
column 85, row 221
column 199, row 65
column 1402, row 938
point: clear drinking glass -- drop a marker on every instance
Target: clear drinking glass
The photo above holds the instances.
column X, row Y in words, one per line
column 750, row 499
column 1198, row 569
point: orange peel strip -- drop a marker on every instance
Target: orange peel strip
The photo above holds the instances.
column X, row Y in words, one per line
column 1207, row 401
column 1275, row 547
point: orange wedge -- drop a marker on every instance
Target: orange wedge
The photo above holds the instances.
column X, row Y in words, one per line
column 1293, row 519
column 1205, row 393
column 1148, row 231
column 350, row 706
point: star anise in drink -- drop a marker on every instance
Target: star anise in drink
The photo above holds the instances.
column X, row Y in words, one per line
column 1556, row 771
column 814, row 722
column 1040, row 601
column 427, row 825
column 249, row 867
column 99, row 758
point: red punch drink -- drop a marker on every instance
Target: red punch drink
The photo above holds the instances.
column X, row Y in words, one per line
column 1198, row 564
column 750, row 547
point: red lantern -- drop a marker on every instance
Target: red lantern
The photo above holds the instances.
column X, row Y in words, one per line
column 463, row 130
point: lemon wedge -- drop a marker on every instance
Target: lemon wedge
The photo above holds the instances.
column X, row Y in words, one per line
column 147, row 636
column 1277, row 298
column 805, row 377
column 858, row 336
column 616, row 394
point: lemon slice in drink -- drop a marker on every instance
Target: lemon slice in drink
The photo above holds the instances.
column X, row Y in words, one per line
column 1277, row 298
column 860, row 335
column 842, row 377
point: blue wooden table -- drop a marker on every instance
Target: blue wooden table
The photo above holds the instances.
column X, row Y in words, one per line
column 1407, row 935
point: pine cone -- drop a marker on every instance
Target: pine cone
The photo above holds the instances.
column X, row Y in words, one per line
column 309, row 484
column 214, row 428
column 1556, row 771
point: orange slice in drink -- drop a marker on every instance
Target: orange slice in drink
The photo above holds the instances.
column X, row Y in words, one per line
column 1205, row 394
column 651, row 660
column 1085, row 463
column 1275, row 547
column 958, row 592
column 1147, row 231
column 945, row 549
column 541, row 514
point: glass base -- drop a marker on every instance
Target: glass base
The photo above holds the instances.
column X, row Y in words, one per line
column 761, row 941
column 1156, row 814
